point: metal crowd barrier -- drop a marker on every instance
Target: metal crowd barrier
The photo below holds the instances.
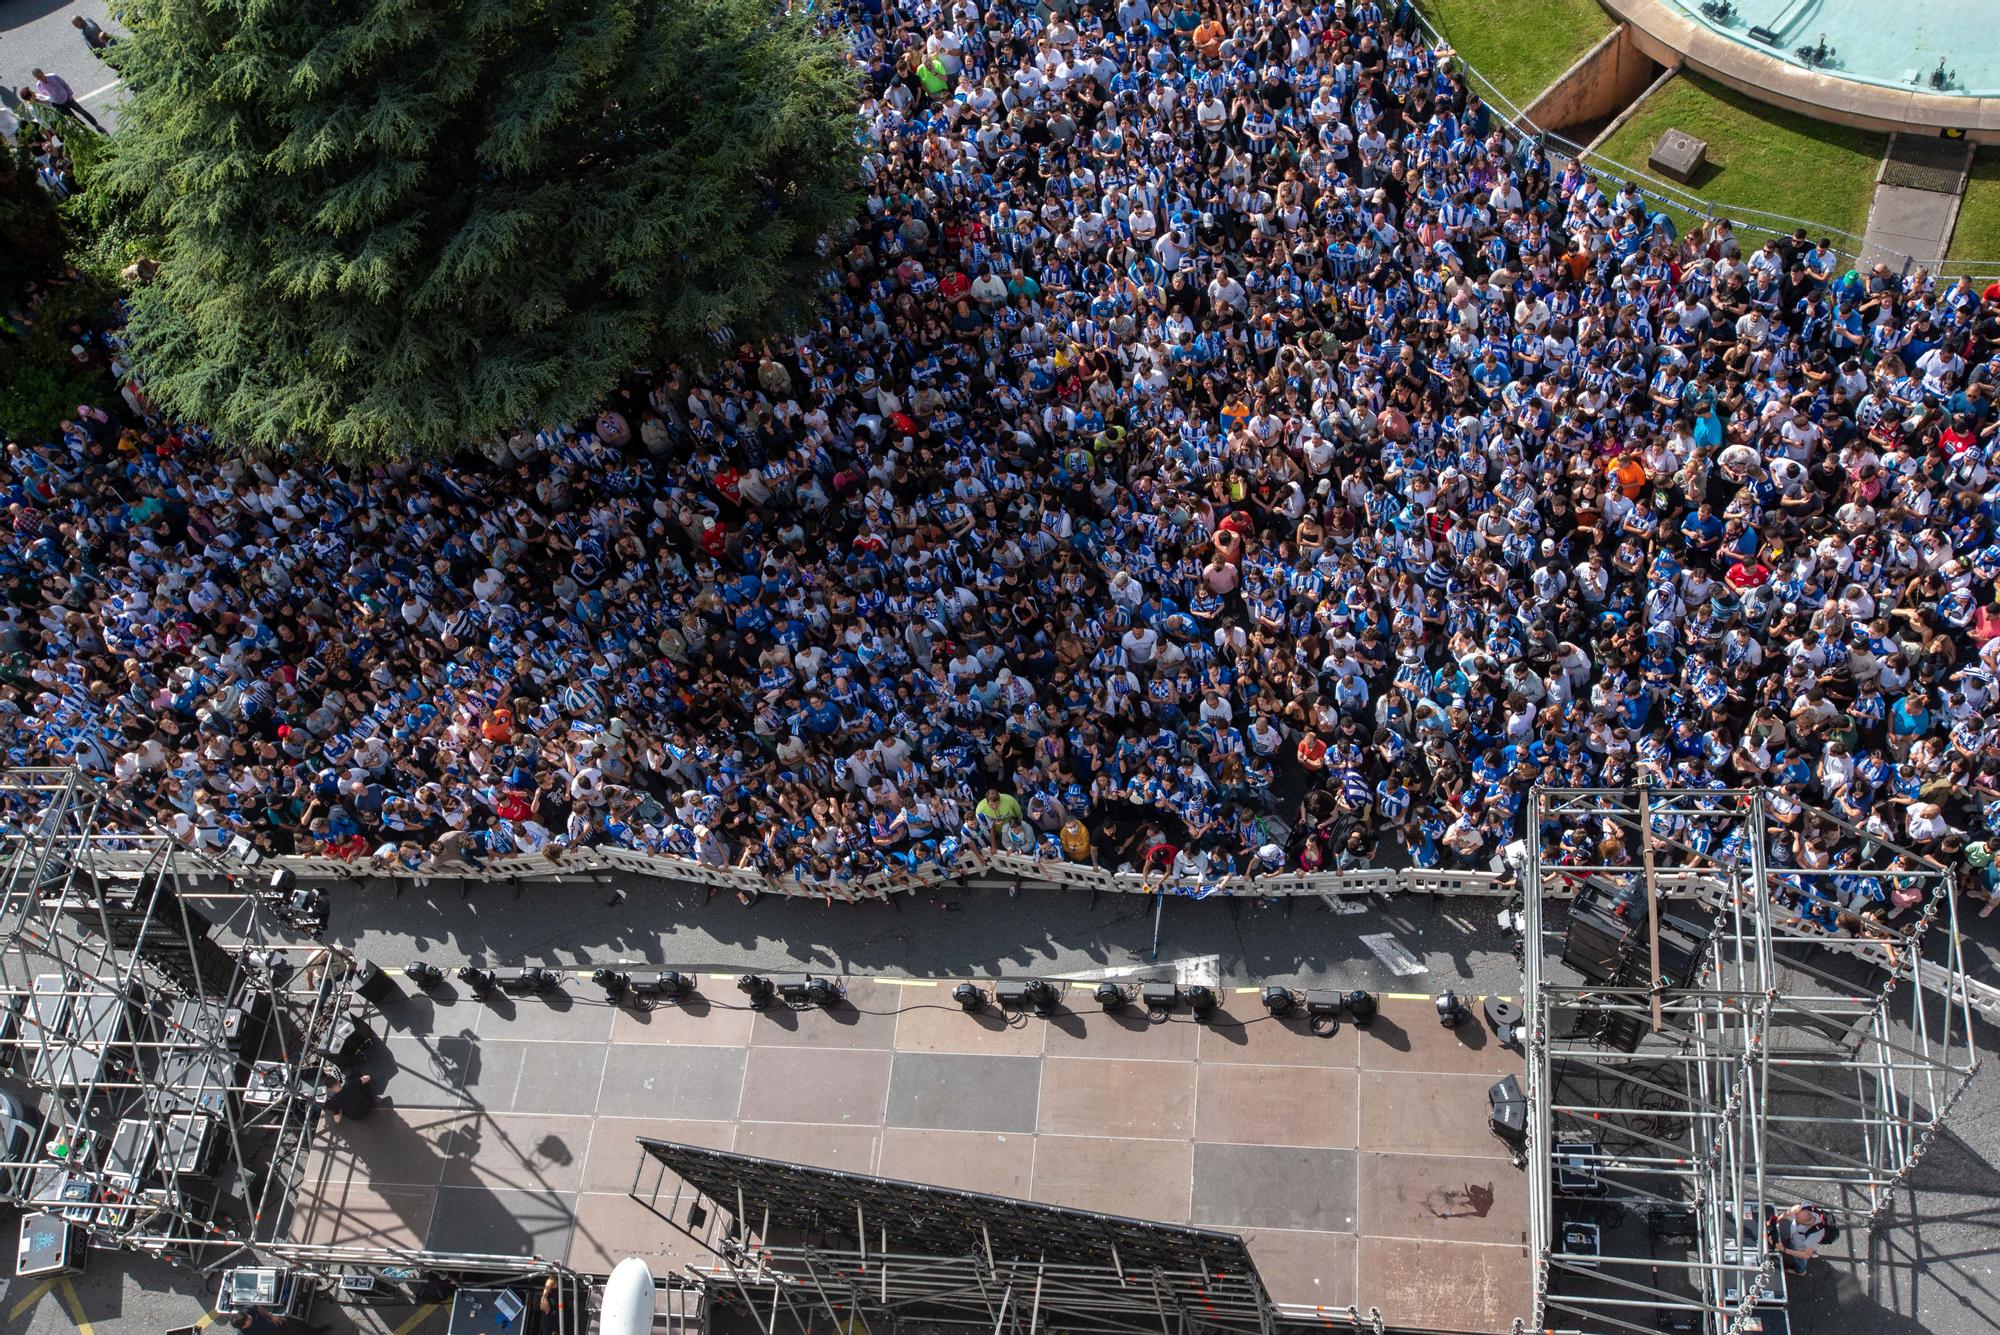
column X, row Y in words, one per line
column 974, row 868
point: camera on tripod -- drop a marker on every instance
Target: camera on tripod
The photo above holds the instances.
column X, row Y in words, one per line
column 302, row 908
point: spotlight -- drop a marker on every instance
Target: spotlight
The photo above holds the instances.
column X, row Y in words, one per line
column 282, row 879
column 970, row 997
column 1110, row 996
column 668, row 985
column 1513, row 920
column 614, row 983
column 427, row 977
column 479, row 980
column 1035, row 994
column 1514, row 1036
column 1450, row 1011
column 1362, row 1006
column 1160, row 996
column 1280, row 1001
column 759, row 989
column 1201, row 1000
column 822, row 992
column 1042, row 996
column 531, row 981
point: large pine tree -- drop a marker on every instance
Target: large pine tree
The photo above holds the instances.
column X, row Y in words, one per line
column 397, row 225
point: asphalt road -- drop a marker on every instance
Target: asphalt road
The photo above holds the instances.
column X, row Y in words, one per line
column 36, row 34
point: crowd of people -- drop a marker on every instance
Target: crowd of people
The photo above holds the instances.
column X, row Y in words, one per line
column 1226, row 450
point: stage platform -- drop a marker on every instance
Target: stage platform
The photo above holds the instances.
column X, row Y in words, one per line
column 1358, row 1167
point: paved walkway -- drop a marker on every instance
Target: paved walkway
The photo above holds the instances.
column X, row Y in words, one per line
column 1916, row 202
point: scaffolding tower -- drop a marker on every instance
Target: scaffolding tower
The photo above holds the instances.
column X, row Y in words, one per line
column 174, row 1031
column 1734, row 1005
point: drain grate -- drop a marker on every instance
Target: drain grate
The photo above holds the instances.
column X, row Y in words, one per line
column 1926, row 163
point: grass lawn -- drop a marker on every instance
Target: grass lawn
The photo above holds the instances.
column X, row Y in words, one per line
column 1521, row 45
column 1977, row 236
column 1758, row 157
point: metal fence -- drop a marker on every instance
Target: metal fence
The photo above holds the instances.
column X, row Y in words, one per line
column 973, row 868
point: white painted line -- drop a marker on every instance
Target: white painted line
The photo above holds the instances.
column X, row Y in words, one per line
column 99, row 92
column 1194, row 969
column 1345, row 905
column 1394, row 953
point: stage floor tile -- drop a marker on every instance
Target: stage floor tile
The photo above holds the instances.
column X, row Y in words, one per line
column 848, row 1148
column 1274, row 1186
column 1081, row 1029
column 962, row 1092
column 1420, row 1112
column 1446, row 1286
column 1000, row 1165
column 397, row 1147
column 1275, row 1105
column 557, row 1077
column 575, row 1013
column 703, row 1084
column 1264, row 1040
column 517, row 1151
column 940, row 1026
column 1144, row 1179
column 839, row 1086
column 697, row 1020
column 1444, row 1197
column 492, row 1222
column 865, row 1019
column 359, row 1213
column 1315, row 1268
column 1413, row 1040
column 1086, row 1097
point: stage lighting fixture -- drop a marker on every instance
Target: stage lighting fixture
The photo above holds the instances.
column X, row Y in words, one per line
column 614, row 983
column 759, row 989
column 531, row 981
column 1513, row 920
column 1280, row 1001
column 282, row 880
column 1321, row 1003
column 1450, row 1011
column 1514, row 1036
column 1362, row 1007
column 1160, row 996
column 479, row 980
column 1201, row 1000
column 1043, row 996
column 425, row 976
column 1035, row 994
column 668, row 985
column 1502, row 1014
column 1111, row 996
column 970, row 997
column 822, row 992
column 1011, row 993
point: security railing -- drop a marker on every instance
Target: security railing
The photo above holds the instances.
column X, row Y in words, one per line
column 973, row 868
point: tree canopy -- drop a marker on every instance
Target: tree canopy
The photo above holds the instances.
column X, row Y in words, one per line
column 390, row 226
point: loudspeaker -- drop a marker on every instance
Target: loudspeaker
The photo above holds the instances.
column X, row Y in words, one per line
column 1621, row 1030
column 347, row 1040
column 1596, row 942
column 1507, row 1111
column 372, row 985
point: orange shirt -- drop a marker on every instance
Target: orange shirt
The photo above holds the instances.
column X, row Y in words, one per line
column 1208, row 36
column 1631, row 477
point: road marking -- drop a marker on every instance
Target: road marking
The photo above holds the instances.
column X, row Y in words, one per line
column 1394, row 953
column 1187, row 972
column 906, row 982
column 417, row 1318
column 99, row 92
column 204, row 1321
column 75, row 1306
column 34, row 1296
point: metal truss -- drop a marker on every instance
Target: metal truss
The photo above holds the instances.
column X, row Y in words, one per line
column 786, row 1245
column 174, row 1039
column 1743, row 1044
